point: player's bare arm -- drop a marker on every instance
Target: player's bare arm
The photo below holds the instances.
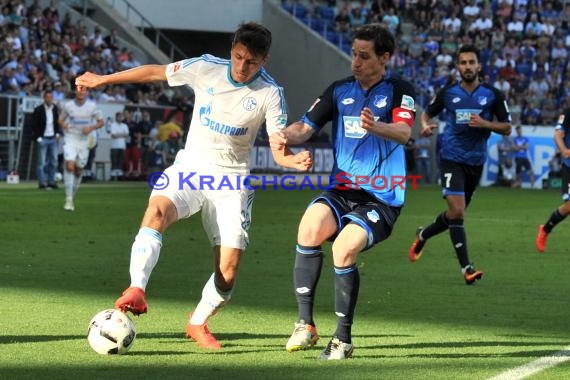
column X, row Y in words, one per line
column 477, row 121
column 427, row 127
column 141, row 74
column 294, row 134
column 399, row 132
column 301, row 161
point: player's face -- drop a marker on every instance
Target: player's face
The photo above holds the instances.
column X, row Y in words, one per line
column 468, row 66
column 367, row 67
column 80, row 94
column 244, row 64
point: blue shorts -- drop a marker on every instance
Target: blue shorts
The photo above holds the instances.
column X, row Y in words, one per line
column 357, row 206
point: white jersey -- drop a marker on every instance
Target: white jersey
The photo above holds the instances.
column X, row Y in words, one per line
column 227, row 115
column 79, row 116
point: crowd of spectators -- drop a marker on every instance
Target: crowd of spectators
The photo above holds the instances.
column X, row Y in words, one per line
column 40, row 49
column 523, row 43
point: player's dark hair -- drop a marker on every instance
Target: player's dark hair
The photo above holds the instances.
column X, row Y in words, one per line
column 383, row 40
column 469, row 49
column 255, row 37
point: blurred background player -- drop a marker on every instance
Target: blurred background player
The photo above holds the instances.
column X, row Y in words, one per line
column 233, row 99
column 522, row 162
column 79, row 117
column 472, row 106
column 562, row 139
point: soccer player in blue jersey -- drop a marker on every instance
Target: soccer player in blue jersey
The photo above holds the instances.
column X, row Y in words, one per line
column 475, row 109
column 372, row 114
column 562, row 139
column 233, row 99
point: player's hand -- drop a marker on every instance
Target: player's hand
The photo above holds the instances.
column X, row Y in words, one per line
column 86, row 130
column 277, row 141
column 367, row 119
column 427, row 130
column 88, row 80
column 477, row 121
column 303, row 161
column 565, row 153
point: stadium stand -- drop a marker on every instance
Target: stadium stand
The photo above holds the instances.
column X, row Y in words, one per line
column 523, row 41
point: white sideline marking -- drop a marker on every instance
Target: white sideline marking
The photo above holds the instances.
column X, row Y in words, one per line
column 535, row 366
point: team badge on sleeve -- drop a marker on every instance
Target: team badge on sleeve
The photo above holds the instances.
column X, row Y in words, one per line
column 408, row 103
column 561, row 119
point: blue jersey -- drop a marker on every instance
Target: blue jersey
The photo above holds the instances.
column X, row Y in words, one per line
column 461, row 143
column 361, row 159
column 563, row 125
column 520, row 141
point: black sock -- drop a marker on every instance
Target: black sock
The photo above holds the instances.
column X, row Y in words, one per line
column 459, row 240
column 346, row 286
column 554, row 219
column 440, row 224
column 308, row 265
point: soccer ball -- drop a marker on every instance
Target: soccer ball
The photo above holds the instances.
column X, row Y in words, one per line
column 58, row 177
column 111, row 332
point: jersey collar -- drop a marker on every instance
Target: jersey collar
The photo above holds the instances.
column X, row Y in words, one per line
column 237, row 84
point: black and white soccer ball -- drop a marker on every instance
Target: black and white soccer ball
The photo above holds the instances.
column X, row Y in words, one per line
column 111, row 332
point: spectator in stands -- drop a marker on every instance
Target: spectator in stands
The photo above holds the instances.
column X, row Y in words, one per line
column 471, row 11
column 503, row 85
column 342, row 20
column 453, row 22
column 391, row 20
column 112, row 39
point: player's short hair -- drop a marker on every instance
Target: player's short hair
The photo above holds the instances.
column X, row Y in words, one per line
column 469, row 49
column 383, row 40
column 255, row 37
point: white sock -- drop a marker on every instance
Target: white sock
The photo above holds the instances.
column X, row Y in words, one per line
column 144, row 256
column 212, row 301
column 68, row 180
column 76, row 184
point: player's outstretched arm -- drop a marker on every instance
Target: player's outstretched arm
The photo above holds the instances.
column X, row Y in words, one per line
column 301, row 161
column 141, row 74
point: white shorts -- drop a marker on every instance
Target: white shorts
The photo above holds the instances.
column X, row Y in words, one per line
column 76, row 151
column 226, row 210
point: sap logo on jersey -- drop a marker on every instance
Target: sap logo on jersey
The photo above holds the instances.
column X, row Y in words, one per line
column 217, row 127
column 352, row 128
column 462, row 116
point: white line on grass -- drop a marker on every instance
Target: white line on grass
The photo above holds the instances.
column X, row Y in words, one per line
column 535, row 366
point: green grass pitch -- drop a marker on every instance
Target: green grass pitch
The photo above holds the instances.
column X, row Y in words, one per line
column 413, row 321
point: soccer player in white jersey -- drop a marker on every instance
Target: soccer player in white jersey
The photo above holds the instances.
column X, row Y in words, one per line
column 233, row 99
column 79, row 117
